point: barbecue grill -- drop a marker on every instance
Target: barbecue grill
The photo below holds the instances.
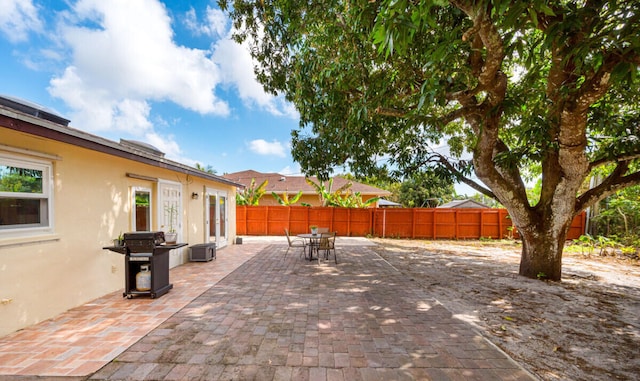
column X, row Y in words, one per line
column 146, row 248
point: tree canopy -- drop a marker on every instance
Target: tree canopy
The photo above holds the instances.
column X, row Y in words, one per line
column 425, row 189
column 538, row 88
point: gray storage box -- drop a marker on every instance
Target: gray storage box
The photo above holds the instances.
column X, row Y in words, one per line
column 203, row 252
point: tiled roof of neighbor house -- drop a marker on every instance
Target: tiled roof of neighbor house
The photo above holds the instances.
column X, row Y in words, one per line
column 463, row 204
column 292, row 184
column 29, row 123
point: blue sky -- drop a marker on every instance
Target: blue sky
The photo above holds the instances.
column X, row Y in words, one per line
column 163, row 72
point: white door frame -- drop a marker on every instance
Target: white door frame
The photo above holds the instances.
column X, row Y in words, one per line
column 163, row 202
column 221, row 237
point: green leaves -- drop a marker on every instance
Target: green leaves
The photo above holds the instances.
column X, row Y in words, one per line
column 328, row 197
column 251, row 195
column 378, row 83
column 426, row 189
column 285, row 200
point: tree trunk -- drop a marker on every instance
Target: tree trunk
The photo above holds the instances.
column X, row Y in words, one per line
column 542, row 250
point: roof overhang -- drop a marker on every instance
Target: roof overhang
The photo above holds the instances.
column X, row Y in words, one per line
column 28, row 124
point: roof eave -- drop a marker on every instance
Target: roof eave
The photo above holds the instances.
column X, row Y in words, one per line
column 39, row 127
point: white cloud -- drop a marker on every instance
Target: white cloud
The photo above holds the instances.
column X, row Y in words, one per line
column 18, row 18
column 235, row 63
column 132, row 113
column 191, row 21
column 263, row 147
column 215, row 26
column 236, row 66
column 124, row 57
column 168, row 146
column 288, row 171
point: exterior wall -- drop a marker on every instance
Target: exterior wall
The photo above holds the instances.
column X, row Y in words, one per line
column 42, row 276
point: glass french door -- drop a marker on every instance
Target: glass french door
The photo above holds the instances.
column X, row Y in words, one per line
column 170, row 204
column 217, row 217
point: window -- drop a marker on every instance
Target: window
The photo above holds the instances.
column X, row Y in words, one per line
column 142, row 209
column 25, row 195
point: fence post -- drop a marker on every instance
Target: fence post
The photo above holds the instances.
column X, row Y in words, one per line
column 348, row 234
column 384, row 222
column 372, row 222
column 456, row 222
column 413, row 223
column 433, row 224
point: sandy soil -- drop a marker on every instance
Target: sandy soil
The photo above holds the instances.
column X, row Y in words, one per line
column 586, row 327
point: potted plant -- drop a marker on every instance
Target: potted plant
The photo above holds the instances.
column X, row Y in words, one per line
column 314, row 229
column 170, row 236
column 118, row 242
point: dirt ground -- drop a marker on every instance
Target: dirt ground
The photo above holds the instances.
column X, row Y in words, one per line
column 586, row 327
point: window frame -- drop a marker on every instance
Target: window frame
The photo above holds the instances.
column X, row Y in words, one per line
column 134, row 213
column 44, row 227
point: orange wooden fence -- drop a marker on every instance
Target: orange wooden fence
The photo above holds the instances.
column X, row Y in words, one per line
column 427, row 223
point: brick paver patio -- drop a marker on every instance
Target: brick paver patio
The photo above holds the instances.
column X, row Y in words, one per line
column 253, row 315
column 82, row 340
column 276, row 319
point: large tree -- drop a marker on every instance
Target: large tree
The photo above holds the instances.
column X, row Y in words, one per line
column 426, row 189
column 527, row 88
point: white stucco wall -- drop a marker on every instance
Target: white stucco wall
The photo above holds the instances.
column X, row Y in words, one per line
column 44, row 275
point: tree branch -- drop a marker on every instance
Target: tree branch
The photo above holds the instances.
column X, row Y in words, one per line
column 461, row 177
column 608, row 160
column 598, row 84
column 485, row 34
column 609, row 186
column 393, row 112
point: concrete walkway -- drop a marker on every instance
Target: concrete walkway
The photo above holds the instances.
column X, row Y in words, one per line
column 291, row 319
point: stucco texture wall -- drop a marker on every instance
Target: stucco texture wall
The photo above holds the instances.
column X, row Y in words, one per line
column 44, row 275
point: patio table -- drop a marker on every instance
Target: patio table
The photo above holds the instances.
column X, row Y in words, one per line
column 314, row 242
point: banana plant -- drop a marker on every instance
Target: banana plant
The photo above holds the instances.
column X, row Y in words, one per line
column 359, row 203
column 327, row 196
column 285, row 200
column 353, row 200
column 251, row 195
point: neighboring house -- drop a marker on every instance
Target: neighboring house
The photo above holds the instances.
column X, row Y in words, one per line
column 65, row 194
column 468, row 203
column 291, row 185
column 382, row 203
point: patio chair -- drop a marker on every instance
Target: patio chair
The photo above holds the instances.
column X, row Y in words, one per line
column 328, row 244
column 295, row 242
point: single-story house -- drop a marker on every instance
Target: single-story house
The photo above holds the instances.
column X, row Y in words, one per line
column 65, row 194
column 291, row 185
column 468, row 203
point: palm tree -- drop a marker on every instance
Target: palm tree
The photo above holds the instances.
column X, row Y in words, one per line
column 208, row 168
